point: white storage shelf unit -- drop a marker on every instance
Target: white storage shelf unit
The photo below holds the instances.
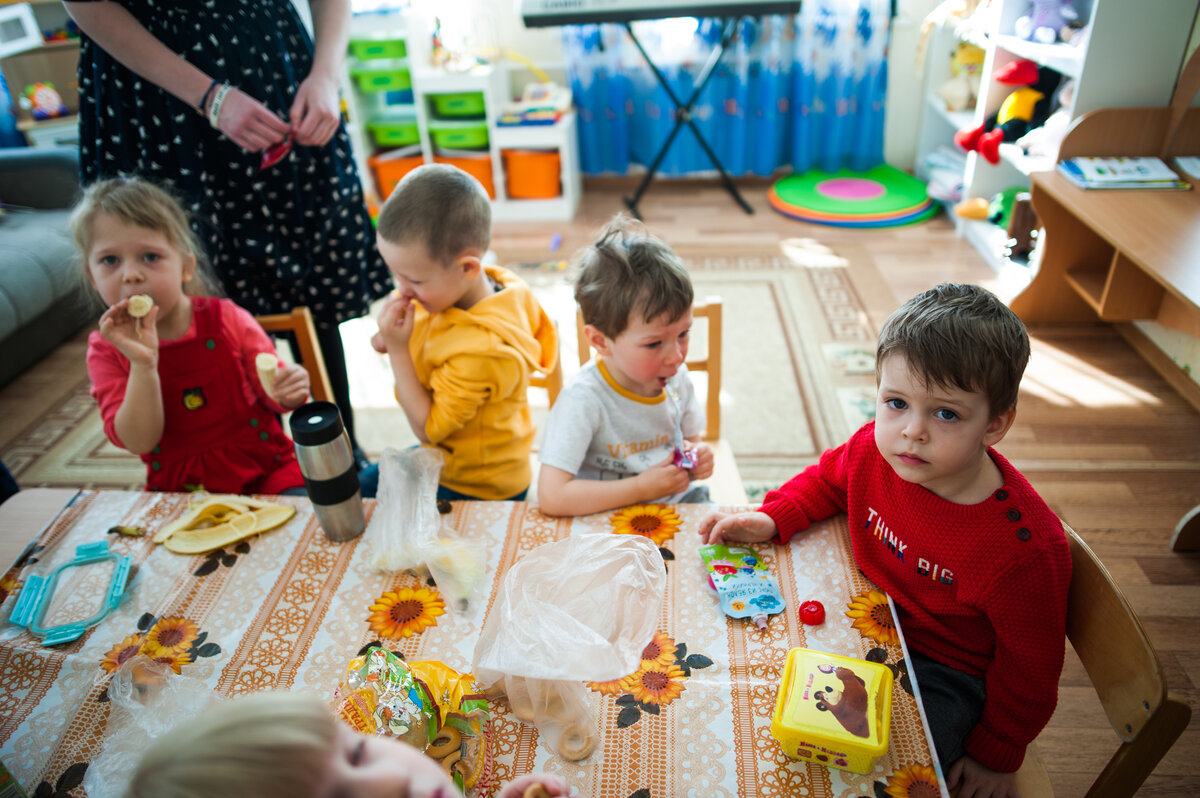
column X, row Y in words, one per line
column 493, row 83
column 1132, row 57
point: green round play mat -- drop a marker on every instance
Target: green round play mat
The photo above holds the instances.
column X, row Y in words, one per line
column 882, row 196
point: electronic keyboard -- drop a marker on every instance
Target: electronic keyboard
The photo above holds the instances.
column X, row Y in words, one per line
column 544, row 13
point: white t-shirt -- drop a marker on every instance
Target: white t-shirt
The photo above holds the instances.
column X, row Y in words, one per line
column 599, row 430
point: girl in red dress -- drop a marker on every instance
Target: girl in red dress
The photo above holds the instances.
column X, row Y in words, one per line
column 178, row 386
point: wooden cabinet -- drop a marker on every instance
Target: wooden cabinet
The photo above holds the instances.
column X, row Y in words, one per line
column 1131, row 56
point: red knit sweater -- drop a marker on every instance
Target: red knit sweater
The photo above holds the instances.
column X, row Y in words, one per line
column 981, row 588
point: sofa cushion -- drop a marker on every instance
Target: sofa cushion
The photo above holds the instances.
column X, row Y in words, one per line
column 38, row 266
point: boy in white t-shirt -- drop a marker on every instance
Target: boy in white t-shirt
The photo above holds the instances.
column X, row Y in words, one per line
column 626, row 430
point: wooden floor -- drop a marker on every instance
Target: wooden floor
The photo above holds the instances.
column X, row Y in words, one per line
column 1108, row 444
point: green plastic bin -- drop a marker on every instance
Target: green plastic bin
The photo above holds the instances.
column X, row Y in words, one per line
column 382, row 77
column 458, row 136
column 458, row 105
column 374, row 48
column 396, row 132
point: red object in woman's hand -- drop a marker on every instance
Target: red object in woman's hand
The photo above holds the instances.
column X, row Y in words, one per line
column 812, row 613
column 274, row 154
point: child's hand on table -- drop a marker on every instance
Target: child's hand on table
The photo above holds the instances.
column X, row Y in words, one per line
column 975, row 780
column 737, row 527
column 551, row 785
column 291, row 385
column 135, row 338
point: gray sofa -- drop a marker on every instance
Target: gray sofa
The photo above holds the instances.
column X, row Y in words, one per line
column 43, row 297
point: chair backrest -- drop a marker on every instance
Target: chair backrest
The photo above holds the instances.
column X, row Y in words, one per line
column 1123, row 667
column 710, row 310
column 300, row 324
column 552, row 380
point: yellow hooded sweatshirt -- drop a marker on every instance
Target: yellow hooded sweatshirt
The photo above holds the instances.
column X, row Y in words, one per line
column 476, row 364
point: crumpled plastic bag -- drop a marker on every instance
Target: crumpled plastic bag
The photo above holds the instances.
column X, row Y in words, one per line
column 575, row 610
column 147, row 701
column 406, row 531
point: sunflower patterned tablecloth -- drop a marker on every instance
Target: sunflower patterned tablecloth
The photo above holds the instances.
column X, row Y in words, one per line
column 289, row 609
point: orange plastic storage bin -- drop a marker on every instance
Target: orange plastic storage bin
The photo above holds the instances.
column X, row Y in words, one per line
column 389, row 171
column 532, row 174
column 480, row 167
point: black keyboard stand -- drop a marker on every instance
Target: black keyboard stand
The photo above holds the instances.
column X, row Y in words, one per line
column 683, row 116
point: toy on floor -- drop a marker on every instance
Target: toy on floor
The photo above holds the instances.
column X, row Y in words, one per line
column 1046, row 22
column 1027, row 107
column 962, row 89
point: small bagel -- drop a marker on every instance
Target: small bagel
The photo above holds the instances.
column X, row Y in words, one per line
column 451, row 739
column 449, row 762
column 535, row 791
column 576, row 742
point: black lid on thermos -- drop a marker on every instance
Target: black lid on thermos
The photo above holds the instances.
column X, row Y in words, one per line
column 316, row 423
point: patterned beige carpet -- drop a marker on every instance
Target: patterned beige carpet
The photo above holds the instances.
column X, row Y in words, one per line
column 798, row 369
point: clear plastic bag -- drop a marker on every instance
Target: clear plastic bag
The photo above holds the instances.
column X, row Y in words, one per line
column 580, row 609
column 148, row 700
column 406, row 530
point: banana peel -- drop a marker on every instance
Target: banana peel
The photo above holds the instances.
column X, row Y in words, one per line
column 217, row 521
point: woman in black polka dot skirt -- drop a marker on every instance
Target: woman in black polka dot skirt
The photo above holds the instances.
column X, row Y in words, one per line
column 195, row 95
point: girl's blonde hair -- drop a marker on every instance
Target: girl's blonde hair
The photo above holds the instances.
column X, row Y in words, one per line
column 137, row 201
column 269, row 744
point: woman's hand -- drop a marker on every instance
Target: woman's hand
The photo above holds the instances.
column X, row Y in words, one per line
column 315, row 113
column 291, row 385
column 136, row 339
column 248, row 123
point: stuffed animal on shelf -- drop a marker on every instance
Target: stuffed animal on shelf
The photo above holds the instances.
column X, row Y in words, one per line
column 1044, row 141
column 1025, row 108
column 962, row 89
column 43, row 101
column 1046, row 21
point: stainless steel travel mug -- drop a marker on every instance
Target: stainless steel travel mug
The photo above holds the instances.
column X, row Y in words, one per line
column 330, row 473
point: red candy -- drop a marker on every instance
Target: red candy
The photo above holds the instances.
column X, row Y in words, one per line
column 812, row 613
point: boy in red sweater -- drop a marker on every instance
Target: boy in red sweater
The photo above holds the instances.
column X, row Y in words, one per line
column 975, row 562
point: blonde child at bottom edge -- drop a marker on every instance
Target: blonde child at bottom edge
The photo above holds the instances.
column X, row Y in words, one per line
column 179, row 386
column 289, row 745
column 974, row 561
column 610, row 437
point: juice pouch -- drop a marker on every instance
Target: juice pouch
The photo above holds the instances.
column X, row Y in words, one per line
column 746, row 586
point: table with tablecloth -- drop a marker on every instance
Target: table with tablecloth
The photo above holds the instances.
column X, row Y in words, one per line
column 289, row 609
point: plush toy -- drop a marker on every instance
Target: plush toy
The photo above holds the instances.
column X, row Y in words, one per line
column 1027, row 107
column 43, row 101
column 1000, row 208
column 1046, row 21
column 962, row 89
column 1044, row 141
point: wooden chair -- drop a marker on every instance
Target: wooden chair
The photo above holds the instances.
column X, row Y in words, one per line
column 1122, row 666
column 299, row 323
column 710, row 309
column 551, row 381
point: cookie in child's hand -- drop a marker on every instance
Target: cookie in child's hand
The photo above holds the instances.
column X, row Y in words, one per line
column 535, row 791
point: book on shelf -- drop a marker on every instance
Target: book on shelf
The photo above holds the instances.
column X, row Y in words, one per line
column 1117, row 173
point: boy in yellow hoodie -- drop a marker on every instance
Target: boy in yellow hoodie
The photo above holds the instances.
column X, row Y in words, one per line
column 462, row 338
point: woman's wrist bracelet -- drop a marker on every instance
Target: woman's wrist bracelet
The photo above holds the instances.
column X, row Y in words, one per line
column 208, row 93
column 214, row 110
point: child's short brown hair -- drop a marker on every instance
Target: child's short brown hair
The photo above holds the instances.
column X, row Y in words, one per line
column 959, row 336
column 629, row 270
column 441, row 206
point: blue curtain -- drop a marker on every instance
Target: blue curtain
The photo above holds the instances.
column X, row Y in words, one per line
column 796, row 91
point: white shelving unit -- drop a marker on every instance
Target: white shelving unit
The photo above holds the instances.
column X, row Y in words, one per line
column 1132, row 57
column 493, row 83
